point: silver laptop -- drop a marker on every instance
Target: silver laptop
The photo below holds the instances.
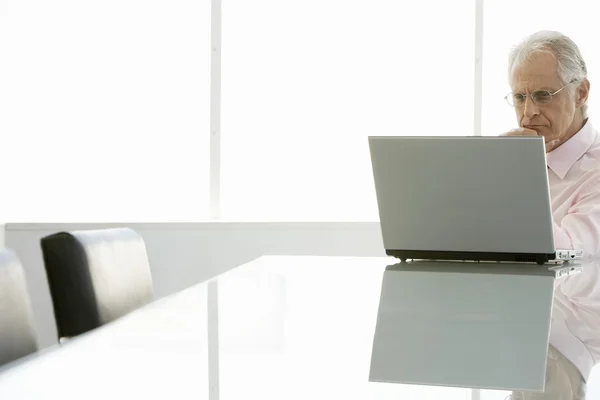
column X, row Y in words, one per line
column 465, row 198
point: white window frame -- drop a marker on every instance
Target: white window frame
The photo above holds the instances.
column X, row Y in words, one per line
column 215, row 97
column 215, row 111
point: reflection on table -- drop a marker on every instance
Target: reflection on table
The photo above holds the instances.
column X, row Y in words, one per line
column 278, row 327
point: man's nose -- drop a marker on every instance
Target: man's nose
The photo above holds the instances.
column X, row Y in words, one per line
column 530, row 109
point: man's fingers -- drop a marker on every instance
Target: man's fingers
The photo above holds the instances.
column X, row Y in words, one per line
column 521, row 132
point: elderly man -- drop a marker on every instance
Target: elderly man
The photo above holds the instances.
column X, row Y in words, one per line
column 548, row 78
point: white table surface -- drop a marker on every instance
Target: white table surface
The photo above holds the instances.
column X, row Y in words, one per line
column 288, row 328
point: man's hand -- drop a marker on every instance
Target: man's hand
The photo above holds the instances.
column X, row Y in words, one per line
column 521, row 132
column 550, row 144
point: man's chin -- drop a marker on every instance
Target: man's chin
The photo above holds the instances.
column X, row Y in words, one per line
column 548, row 138
column 547, row 134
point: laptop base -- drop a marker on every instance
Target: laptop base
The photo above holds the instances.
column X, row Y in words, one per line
column 404, row 255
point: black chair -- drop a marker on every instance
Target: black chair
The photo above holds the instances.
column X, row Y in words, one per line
column 95, row 277
column 17, row 332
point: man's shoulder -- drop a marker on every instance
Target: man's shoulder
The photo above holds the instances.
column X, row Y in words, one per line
column 594, row 150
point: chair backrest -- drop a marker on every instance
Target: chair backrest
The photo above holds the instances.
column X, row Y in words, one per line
column 95, row 277
column 17, row 332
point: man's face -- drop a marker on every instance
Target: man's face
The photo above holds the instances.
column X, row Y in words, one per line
column 561, row 118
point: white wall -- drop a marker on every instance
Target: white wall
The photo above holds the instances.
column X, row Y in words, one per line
column 184, row 254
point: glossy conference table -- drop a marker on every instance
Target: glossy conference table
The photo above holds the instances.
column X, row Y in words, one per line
column 275, row 328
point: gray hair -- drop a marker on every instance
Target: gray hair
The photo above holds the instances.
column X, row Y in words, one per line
column 571, row 66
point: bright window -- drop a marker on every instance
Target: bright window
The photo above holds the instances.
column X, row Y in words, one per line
column 506, row 23
column 104, row 110
column 304, row 83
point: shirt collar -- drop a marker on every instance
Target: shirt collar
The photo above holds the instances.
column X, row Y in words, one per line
column 561, row 159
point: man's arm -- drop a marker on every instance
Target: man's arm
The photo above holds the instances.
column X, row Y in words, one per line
column 580, row 228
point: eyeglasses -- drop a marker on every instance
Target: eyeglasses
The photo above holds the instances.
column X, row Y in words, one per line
column 539, row 97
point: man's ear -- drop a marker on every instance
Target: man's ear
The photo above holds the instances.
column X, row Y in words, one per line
column 582, row 93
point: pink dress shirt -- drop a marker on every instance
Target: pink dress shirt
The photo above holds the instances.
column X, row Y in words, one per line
column 574, row 177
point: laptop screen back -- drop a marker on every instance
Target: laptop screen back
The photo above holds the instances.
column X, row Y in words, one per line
column 466, row 194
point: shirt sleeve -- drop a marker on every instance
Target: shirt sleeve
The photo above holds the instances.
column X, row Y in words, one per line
column 561, row 238
column 580, row 229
